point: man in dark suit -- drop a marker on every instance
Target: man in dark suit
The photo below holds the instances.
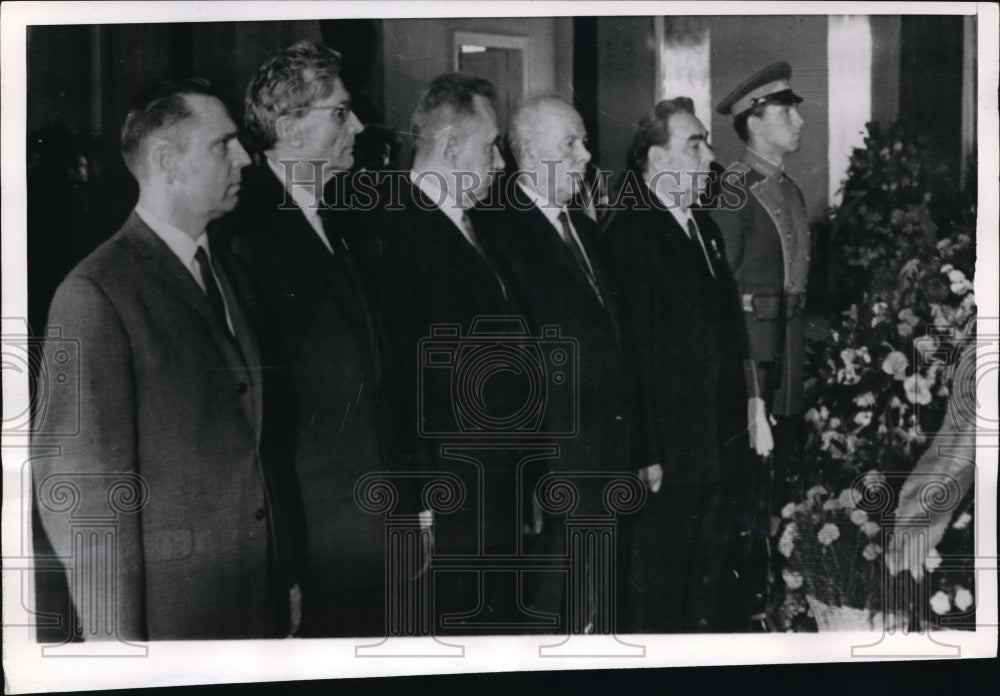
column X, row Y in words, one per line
column 679, row 304
column 323, row 351
column 550, row 251
column 429, row 269
column 166, row 467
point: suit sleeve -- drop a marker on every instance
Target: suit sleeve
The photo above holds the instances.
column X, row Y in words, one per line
column 84, row 449
column 642, row 309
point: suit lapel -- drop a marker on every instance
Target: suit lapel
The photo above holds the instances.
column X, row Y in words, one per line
column 246, row 336
column 161, row 263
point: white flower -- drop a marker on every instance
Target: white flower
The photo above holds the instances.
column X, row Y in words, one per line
column 832, row 504
column 963, row 521
column 859, row 517
column 956, row 276
column 963, row 598
column 870, row 528
column 847, row 356
column 793, row 580
column 932, row 561
column 928, row 345
column 895, row 364
column 864, row 400
column 940, row 603
column 917, row 389
column 873, row 478
column 788, row 511
column 864, row 354
column 848, row 375
column 872, row 551
column 863, row 418
column 849, row 498
column 828, row 534
column 946, row 268
column 834, row 423
column 787, row 541
column 961, row 287
column 815, row 492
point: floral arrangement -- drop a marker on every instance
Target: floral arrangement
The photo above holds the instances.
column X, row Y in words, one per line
column 878, row 385
column 833, row 551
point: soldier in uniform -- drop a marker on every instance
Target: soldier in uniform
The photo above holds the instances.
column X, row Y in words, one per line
column 767, row 246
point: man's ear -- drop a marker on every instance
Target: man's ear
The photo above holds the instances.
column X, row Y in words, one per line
column 449, row 148
column 161, row 158
column 655, row 155
column 288, row 131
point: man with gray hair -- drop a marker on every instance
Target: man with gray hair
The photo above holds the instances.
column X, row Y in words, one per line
column 324, row 353
column 550, row 247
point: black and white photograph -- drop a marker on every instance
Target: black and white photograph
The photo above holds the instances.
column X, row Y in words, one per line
column 349, row 339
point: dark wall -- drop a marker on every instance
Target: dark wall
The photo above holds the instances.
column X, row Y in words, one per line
column 743, row 45
column 930, row 90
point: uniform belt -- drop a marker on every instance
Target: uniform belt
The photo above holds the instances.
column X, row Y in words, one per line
column 766, row 306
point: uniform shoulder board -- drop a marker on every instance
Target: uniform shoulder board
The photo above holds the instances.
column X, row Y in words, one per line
column 739, row 166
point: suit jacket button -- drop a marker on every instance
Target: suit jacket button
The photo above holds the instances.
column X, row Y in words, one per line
column 241, row 388
column 618, row 419
column 260, row 514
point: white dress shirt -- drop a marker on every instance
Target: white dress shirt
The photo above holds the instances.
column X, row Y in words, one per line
column 184, row 248
column 429, row 184
column 551, row 211
column 308, row 204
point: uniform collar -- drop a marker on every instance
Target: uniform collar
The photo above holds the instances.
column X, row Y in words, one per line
column 762, row 164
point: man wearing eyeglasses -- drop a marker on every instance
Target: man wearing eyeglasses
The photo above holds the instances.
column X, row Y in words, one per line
column 320, row 341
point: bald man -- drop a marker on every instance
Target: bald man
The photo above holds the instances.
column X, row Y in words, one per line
column 549, row 249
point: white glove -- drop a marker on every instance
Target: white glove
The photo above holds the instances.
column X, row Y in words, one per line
column 760, row 430
column 652, row 476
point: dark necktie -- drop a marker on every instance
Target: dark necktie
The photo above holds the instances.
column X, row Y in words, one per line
column 211, row 286
column 470, row 234
column 581, row 260
column 695, row 236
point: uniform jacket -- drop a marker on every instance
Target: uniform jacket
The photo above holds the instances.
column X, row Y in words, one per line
column 767, row 246
column 166, row 420
column 324, row 359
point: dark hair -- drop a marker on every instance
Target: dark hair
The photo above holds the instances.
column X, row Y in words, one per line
column 740, row 122
column 654, row 129
column 163, row 107
column 288, row 80
column 448, row 98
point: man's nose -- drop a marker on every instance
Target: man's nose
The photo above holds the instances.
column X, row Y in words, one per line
column 708, row 156
column 498, row 161
column 354, row 125
column 240, row 156
column 583, row 154
column 797, row 118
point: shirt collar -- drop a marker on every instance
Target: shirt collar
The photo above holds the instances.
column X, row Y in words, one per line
column 550, row 210
column 306, row 203
column 681, row 215
column 429, row 184
column 179, row 242
column 762, row 164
